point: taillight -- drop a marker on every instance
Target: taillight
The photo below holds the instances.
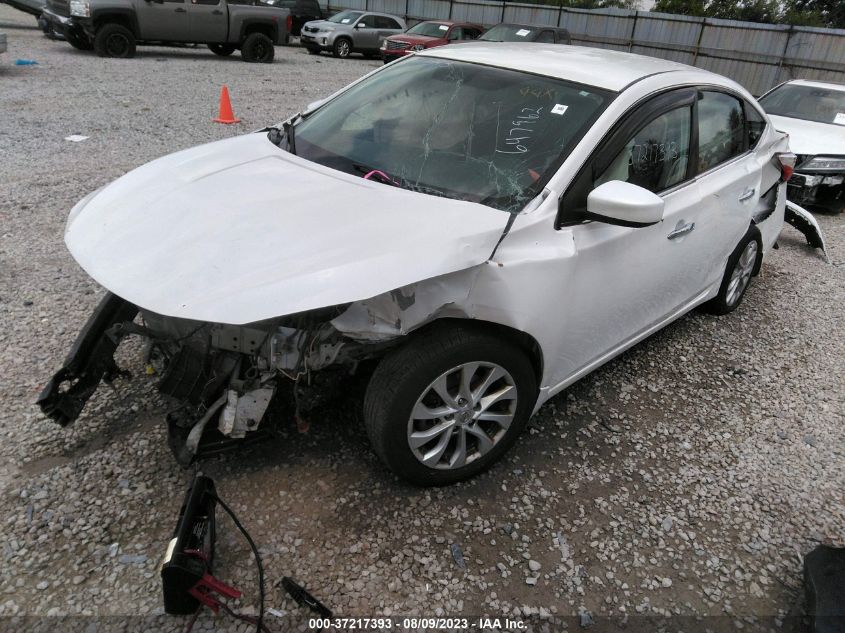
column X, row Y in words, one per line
column 787, row 162
column 290, row 23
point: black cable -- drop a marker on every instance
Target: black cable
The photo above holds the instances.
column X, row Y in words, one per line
column 244, row 618
column 260, row 620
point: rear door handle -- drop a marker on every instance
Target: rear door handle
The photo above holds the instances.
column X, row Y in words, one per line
column 180, row 10
column 681, row 230
column 747, row 195
column 217, row 12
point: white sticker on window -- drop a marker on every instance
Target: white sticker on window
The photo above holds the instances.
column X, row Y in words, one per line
column 523, row 32
column 345, row 20
column 559, row 108
column 443, row 27
column 839, row 119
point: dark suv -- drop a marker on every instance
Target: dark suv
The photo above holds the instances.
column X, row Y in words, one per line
column 301, row 11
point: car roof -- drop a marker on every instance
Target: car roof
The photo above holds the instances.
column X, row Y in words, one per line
column 387, row 15
column 816, row 84
column 545, row 27
column 602, row 68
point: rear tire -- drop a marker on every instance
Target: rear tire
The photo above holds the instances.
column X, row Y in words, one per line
column 743, row 264
column 114, row 40
column 428, row 441
column 258, row 49
column 223, row 50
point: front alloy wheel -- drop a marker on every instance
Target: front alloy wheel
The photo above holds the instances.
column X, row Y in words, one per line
column 461, row 415
column 449, row 403
column 342, row 48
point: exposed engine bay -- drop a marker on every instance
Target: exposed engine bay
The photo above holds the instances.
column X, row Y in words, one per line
column 222, row 379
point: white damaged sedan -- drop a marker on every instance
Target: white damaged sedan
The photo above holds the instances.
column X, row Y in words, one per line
column 473, row 228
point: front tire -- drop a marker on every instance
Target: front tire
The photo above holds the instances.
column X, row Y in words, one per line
column 114, row 40
column 448, row 404
column 223, row 50
column 342, row 48
column 742, row 265
column 312, row 51
column 258, row 48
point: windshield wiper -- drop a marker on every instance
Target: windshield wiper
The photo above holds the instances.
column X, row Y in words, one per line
column 276, row 136
column 384, row 178
column 291, row 136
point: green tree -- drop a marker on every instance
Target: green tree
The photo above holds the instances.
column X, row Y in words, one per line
column 680, row 7
column 599, row 4
column 827, row 13
column 746, row 10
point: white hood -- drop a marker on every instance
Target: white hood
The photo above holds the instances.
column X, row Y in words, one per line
column 811, row 138
column 239, row 231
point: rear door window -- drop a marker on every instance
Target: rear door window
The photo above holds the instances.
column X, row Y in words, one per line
column 721, row 129
column 755, row 124
column 384, row 22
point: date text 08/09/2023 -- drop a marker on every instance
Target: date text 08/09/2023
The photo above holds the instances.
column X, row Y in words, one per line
column 417, row 623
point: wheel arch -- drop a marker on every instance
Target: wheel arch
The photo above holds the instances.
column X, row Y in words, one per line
column 524, row 341
column 270, row 28
column 124, row 17
column 755, row 230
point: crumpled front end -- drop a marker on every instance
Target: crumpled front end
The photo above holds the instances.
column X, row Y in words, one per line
column 223, row 380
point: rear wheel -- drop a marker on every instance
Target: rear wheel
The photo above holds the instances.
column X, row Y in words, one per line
column 741, row 266
column 114, row 40
column 258, row 48
column 342, row 47
column 224, row 50
column 448, row 404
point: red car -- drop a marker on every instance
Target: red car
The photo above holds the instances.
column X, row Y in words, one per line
column 427, row 35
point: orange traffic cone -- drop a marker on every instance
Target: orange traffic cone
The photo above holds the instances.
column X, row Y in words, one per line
column 226, row 115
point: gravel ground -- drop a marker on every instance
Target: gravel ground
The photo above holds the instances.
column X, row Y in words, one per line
column 687, row 477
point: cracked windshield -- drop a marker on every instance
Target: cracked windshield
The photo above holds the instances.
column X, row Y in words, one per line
column 452, row 129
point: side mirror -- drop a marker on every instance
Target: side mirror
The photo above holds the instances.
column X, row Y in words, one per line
column 360, row 25
column 622, row 203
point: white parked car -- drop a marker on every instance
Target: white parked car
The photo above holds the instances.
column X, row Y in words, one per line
column 484, row 223
column 813, row 114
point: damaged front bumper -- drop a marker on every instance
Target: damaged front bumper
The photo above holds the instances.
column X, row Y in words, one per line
column 223, row 379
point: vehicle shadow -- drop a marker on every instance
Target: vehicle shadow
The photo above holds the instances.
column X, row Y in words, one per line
column 16, row 26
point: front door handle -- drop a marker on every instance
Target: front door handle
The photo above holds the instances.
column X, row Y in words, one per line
column 681, row 230
column 747, row 194
column 217, row 12
column 180, row 10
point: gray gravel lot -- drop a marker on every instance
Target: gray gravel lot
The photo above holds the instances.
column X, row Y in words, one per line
column 687, row 477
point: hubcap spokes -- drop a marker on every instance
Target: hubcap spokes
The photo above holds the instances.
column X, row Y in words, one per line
column 462, row 415
column 742, row 273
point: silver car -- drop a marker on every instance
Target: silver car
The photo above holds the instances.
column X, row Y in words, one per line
column 350, row 32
